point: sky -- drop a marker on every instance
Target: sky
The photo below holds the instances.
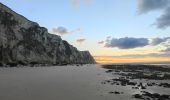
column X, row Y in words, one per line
column 114, row 31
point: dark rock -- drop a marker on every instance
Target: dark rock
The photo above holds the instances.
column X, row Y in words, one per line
column 132, row 83
column 116, row 92
column 12, row 64
column 121, row 81
column 1, row 64
column 166, row 85
column 156, row 96
column 138, row 68
column 135, row 87
column 138, row 96
column 143, row 87
column 165, row 96
column 109, row 71
column 103, row 82
column 166, row 76
column 140, row 71
column 21, row 63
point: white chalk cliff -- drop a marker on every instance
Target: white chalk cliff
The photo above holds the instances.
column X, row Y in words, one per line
column 25, row 42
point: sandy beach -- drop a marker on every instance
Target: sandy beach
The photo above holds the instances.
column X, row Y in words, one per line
column 84, row 50
column 65, row 83
column 54, row 83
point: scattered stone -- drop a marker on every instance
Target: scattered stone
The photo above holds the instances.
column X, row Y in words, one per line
column 135, row 87
column 115, row 92
column 138, row 96
column 128, row 75
column 103, row 82
column 120, row 81
column 109, row 71
column 132, row 83
column 166, row 85
column 155, row 96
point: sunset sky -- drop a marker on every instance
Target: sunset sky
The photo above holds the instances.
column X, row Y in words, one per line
column 114, row 31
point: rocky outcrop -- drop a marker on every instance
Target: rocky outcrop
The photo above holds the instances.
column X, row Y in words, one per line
column 25, row 42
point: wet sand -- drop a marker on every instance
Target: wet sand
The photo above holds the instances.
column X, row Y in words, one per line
column 64, row 83
column 148, row 82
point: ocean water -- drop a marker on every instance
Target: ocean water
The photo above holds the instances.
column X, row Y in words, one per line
column 143, row 63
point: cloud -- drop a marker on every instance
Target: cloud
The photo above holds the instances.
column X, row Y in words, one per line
column 167, row 46
column 141, row 55
column 81, row 40
column 62, row 30
column 107, row 40
column 127, row 43
column 165, row 42
column 130, row 42
column 101, row 42
column 145, row 6
column 88, row 2
column 75, row 3
column 167, row 50
column 164, row 20
column 108, row 37
column 157, row 41
column 76, row 30
column 150, row 55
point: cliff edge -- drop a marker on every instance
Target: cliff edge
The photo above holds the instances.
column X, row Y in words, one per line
column 25, row 42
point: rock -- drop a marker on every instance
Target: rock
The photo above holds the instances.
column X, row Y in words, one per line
column 142, row 87
column 132, row 83
column 115, row 92
column 138, row 96
column 1, row 64
column 165, row 96
column 135, row 87
column 165, row 85
column 111, row 92
column 109, row 71
column 155, row 96
column 25, row 42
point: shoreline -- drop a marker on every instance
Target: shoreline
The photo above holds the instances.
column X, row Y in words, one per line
column 142, row 78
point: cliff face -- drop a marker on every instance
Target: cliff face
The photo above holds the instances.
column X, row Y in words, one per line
column 24, row 42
